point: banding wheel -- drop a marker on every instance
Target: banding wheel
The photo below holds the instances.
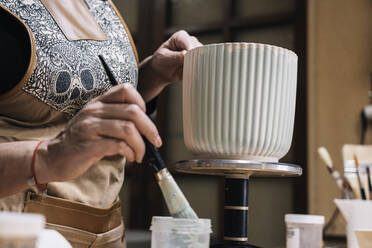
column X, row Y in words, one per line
column 237, row 174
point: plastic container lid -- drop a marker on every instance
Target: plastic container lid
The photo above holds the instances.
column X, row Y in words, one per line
column 20, row 225
column 168, row 224
column 304, row 219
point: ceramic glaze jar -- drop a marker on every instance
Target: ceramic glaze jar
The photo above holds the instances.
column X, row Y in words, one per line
column 168, row 232
column 239, row 101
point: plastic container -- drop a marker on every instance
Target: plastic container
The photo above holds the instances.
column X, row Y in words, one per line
column 304, row 231
column 168, row 232
column 20, row 230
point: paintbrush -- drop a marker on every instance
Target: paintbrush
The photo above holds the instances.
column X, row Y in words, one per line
column 362, row 191
column 342, row 183
column 369, row 183
column 176, row 202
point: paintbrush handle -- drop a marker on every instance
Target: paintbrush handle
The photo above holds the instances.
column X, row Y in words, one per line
column 362, row 191
column 108, row 71
column 369, row 182
column 363, row 194
column 153, row 156
column 152, row 153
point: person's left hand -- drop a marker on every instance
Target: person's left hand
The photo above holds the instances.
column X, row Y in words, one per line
column 167, row 61
column 165, row 66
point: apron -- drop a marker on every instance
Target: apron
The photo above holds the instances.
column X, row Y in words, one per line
column 64, row 73
column 82, row 225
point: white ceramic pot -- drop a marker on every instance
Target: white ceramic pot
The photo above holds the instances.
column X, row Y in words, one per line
column 239, row 101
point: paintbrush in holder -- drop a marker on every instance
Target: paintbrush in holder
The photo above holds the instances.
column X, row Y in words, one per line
column 356, row 169
column 361, row 188
column 341, row 181
column 369, row 182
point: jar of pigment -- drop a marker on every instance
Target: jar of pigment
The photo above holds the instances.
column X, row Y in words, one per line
column 168, row 232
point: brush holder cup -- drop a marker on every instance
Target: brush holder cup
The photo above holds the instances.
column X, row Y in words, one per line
column 239, row 101
column 358, row 215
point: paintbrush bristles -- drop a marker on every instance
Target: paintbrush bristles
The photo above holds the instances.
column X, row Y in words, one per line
column 187, row 213
column 356, row 161
column 324, row 155
column 341, row 182
column 176, row 202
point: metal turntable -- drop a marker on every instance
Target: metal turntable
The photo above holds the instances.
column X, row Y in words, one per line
column 236, row 174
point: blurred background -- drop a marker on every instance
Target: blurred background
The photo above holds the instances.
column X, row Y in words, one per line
column 333, row 40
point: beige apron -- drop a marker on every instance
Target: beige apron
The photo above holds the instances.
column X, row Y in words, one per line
column 82, row 225
column 64, row 74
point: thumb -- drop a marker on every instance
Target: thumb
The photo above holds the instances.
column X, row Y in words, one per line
column 176, row 57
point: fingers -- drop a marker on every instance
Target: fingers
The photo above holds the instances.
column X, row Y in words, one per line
column 183, row 41
column 119, row 114
column 125, row 131
column 131, row 112
column 124, row 93
column 126, row 112
column 111, row 146
column 176, row 57
column 195, row 42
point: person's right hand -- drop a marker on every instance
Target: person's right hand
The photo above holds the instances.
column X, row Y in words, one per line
column 108, row 125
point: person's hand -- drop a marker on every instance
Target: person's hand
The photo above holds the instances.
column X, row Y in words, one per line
column 167, row 61
column 108, row 125
column 165, row 66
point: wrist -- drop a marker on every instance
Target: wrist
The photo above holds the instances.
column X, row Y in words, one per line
column 150, row 82
column 149, row 75
column 42, row 164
